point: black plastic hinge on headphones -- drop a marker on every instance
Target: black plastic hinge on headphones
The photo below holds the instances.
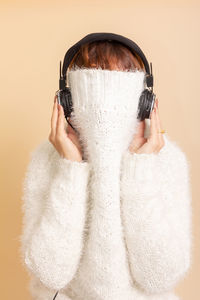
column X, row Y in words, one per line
column 149, row 80
column 62, row 85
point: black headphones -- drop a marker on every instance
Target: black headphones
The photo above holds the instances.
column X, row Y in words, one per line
column 147, row 97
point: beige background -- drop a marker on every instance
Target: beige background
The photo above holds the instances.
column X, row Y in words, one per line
column 34, row 37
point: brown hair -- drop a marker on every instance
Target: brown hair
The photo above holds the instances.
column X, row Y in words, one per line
column 111, row 55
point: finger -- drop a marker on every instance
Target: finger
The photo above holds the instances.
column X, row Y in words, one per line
column 60, row 128
column 152, row 122
column 154, row 130
column 54, row 117
column 140, row 129
column 159, row 125
column 158, row 116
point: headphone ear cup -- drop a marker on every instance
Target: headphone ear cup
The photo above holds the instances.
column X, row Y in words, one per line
column 66, row 102
column 146, row 104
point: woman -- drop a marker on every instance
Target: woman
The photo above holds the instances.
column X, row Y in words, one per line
column 107, row 210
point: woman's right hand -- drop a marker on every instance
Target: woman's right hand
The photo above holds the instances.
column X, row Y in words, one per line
column 66, row 143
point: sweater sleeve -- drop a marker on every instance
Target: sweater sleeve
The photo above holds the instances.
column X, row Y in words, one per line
column 157, row 216
column 54, row 206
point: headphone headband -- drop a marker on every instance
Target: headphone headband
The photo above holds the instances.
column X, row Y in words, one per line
column 99, row 36
column 147, row 97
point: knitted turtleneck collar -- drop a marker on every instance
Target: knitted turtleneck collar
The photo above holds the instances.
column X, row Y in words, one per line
column 105, row 108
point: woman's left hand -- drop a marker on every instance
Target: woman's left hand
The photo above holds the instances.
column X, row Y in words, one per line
column 155, row 141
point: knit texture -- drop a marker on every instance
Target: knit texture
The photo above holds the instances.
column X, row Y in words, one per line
column 116, row 225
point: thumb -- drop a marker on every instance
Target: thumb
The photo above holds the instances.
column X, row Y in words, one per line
column 60, row 121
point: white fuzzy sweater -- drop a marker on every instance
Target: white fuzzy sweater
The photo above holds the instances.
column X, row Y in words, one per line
column 116, row 229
